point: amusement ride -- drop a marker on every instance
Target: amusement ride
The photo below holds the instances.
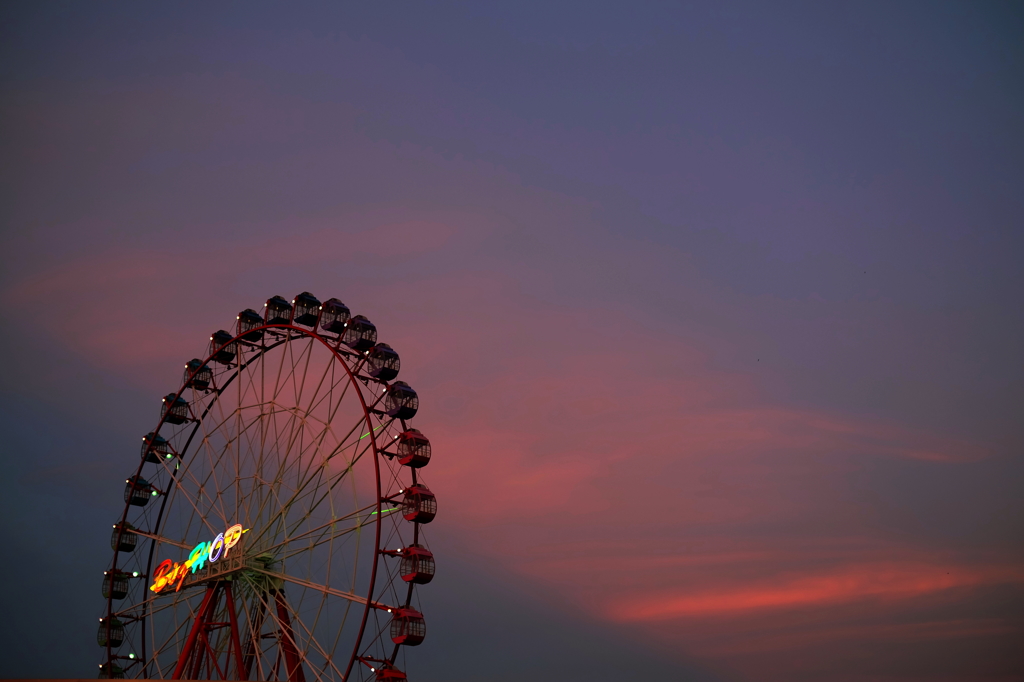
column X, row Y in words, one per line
column 272, row 528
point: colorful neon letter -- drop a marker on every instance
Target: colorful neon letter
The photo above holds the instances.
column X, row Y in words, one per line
column 169, row 572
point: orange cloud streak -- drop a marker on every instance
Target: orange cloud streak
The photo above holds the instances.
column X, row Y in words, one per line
column 871, row 581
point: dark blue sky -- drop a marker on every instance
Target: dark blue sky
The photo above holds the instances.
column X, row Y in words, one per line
column 752, row 268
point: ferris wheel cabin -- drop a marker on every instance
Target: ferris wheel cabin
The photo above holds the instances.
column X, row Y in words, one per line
column 278, row 311
column 115, row 584
column 408, row 627
column 307, row 309
column 122, row 539
column 174, row 409
column 417, row 565
column 334, row 315
column 222, row 348
column 111, row 631
column 155, row 448
column 401, row 401
column 390, row 673
column 382, row 362
column 249, row 320
column 360, row 334
column 137, row 491
column 413, row 449
column 197, row 375
column 419, row 504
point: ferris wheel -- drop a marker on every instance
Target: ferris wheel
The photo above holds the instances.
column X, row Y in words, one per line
column 273, row 526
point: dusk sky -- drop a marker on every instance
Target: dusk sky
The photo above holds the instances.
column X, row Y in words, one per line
column 715, row 310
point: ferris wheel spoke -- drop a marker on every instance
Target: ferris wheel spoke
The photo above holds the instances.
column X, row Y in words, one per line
column 214, row 460
column 308, row 410
column 294, row 620
column 172, row 638
column 182, row 493
column 292, row 456
column 148, row 606
column 282, row 382
column 268, row 491
column 266, row 613
column 203, row 485
column 311, row 640
column 280, row 367
column 349, row 596
column 161, row 540
column 342, row 381
column 256, row 452
column 338, row 480
column 328, row 371
column 315, row 469
column 299, row 382
column 256, row 618
column 324, row 538
column 285, row 507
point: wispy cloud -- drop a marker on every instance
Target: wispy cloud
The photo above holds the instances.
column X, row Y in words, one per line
column 881, row 581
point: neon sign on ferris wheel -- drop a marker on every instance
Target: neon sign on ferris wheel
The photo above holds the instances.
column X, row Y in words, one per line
column 173, row 573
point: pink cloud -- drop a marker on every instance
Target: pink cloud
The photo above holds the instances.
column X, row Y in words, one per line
column 902, row 633
column 882, row 581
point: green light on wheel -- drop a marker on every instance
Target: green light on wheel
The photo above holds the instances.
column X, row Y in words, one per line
column 374, row 431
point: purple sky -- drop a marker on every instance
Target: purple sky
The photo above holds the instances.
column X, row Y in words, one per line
column 716, row 312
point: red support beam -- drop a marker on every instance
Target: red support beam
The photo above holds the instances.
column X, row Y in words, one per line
column 198, row 627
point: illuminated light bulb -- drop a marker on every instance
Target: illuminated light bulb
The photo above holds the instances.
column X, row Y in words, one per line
column 135, row 574
column 372, row 669
column 154, row 493
column 131, row 656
